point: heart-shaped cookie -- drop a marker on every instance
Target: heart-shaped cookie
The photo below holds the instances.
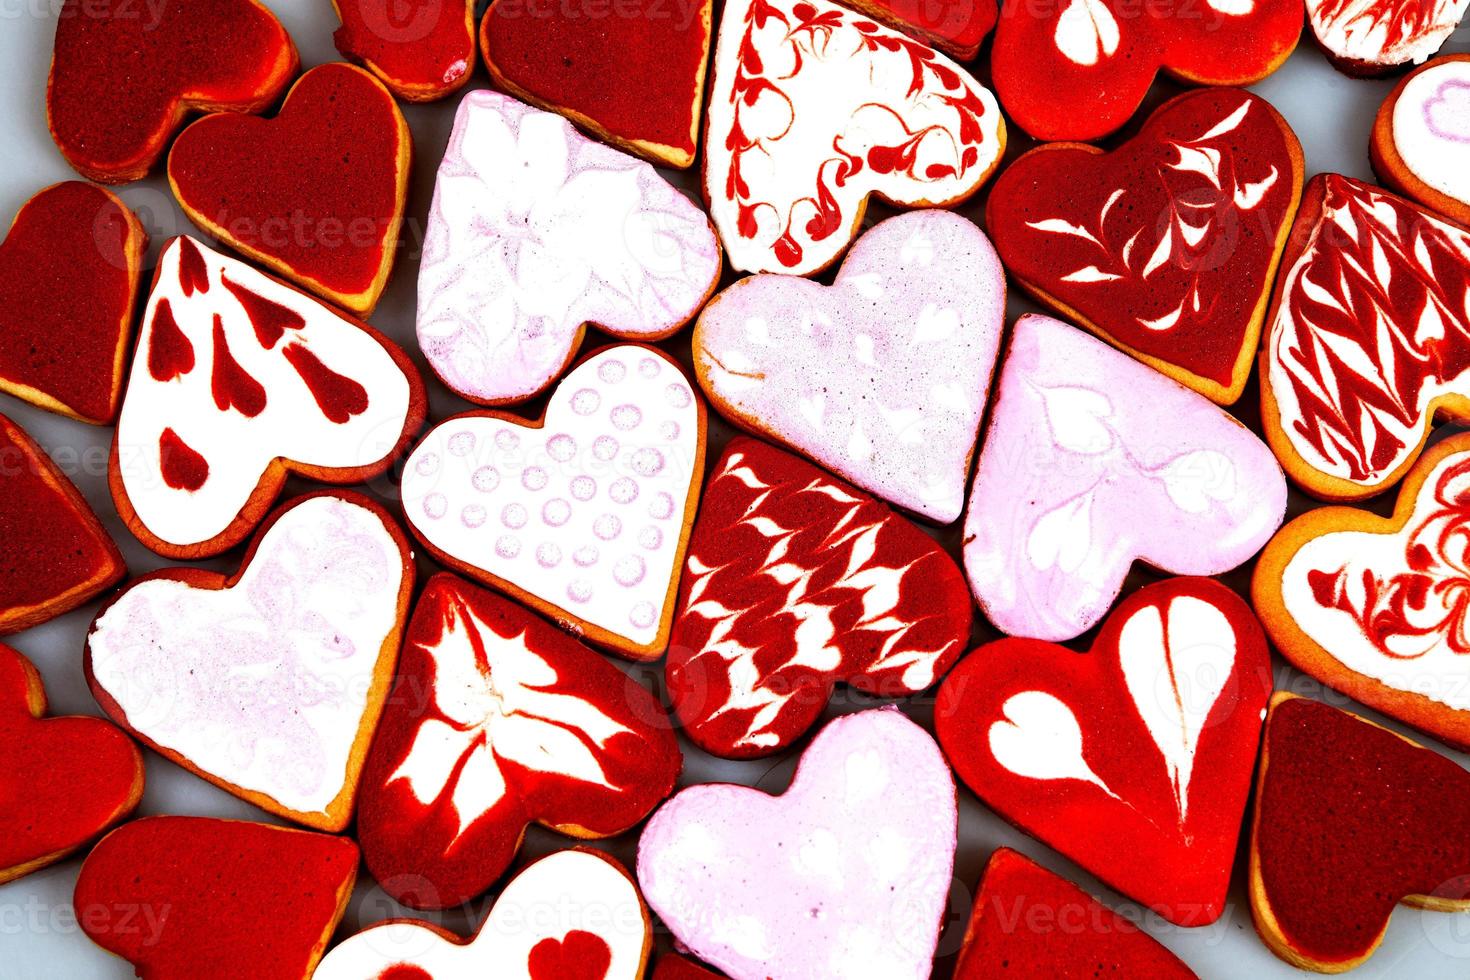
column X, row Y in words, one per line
column 1421, row 138
column 882, row 376
column 187, row 897
column 124, row 75
column 268, row 683
column 65, row 780
column 315, row 194
column 1093, row 461
column 796, row 582
column 1374, row 38
column 421, row 49
column 1368, row 339
column 583, row 515
column 1133, row 760
column 1350, row 819
column 537, row 231
column 845, row 874
column 69, row 271
column 633, row 76
column 814, row 108
column 498, row 720
column 239, row 380
column 674, row 967
column 572, row 915
column 1167, row 246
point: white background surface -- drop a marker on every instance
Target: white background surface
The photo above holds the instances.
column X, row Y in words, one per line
column 1331, row 114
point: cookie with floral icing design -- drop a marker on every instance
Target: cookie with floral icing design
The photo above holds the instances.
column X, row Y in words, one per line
column 1368, row 339
column 69, row 275
column 238, row 381
column 535, row 232
column 1079, row 69
column 123, row 78
column 844, row 875
column 269, row 682
column 1167, row 246
column 572, row 914
column 499, row 720
column 561, row 59
column 188, row 897
column 583, row 515
column 1421, row 139
column 65, row 780
column 1134, row 760
column 881, row 377
column 796, row 582
column 1093, row 461
column 1349, row 820
column 1030, row 924
column 422, row 50
column 812, row 110
column 1365, row 38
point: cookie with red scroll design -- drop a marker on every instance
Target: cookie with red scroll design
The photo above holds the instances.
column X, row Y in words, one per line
column 124, row 75
column 1350, row 819
column 1167, row 246
column 1421, row 139
column 423, row 49
column 315, row 194
column 1365, row 38
column 1368, row 339
column 796, row 582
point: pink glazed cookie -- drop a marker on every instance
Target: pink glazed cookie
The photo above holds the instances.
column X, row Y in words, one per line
column 880, row 377
column 845, row 874
column 1093, row 460
column 537, row 231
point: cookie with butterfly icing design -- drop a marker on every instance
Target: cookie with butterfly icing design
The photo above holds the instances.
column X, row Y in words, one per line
column 1135, row 759
column 1093, row 461
column 880, row 377
column 1421, row 138
column 1167, row 246
column 796, row 582
column 572, row 914
column 584, row 514
column 268, row 682
column 536, row 232
column 1368, row 339
column 423, row 51
column 499, row 720
column 1367, row 38
column 812, row 110
column 240, row 380
column 846, row 874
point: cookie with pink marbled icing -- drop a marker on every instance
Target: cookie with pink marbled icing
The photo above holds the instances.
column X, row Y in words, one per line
column 882, row 376
column 1092, row 461
column 846, row 874
column 535, row 232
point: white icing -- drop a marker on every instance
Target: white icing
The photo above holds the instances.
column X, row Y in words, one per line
column 1431, row 128
column 1087, row 32
column 1385, row 32
column 1039, row 738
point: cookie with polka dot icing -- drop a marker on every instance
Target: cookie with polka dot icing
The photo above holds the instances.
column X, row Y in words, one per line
column 423, row 50
column 1367, row 38
column 1421, row 138
column 499, row 720
column 583, row 514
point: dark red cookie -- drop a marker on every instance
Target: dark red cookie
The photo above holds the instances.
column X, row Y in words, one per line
column 422, row 49
column 673, row 967
column 124, row 74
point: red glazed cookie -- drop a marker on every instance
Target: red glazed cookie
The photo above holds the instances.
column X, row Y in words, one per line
column 499, row 720
column 954, row 28
column 315, row 194
column 124, row 75
column 633, row 76
column 1350, row 819
column 65, row 780
column 796, row 581
column 1421, row 139
column 54, row 554
column 1030, row 924
column 423, row 50
column 69, row 271
column 188, row 897
column 1167, row 246
column 1133, row 760
column 673, row 967
column 1078, row 69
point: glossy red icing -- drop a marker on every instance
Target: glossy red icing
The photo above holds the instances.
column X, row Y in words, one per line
column 578, row 955
column 271, row 320
column 498, row 720
column 421, row 49
column 338, row 396
column 1133, row 760
column 189, row 897
column 124, row 74
column 183, row 468
column 231, row 385
column 673, row 967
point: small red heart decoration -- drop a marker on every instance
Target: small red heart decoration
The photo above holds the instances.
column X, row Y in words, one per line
column 578, row 955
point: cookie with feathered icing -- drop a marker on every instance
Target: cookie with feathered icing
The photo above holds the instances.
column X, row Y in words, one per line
column 423, row 50
column 1374, row 37
column 1421, row 138
column 1135, row 759
column 1166, row 246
